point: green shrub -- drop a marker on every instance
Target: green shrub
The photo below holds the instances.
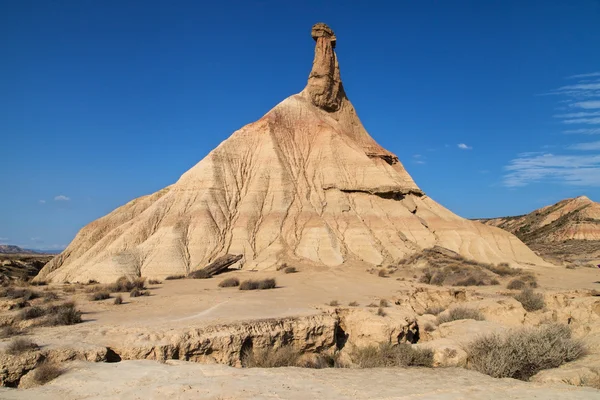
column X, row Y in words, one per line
column 458, row 313
column 522, row 353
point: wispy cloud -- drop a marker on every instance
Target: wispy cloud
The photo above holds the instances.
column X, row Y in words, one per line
column 581, row 170
column 42, row 201
column 3, row 239
column 579, row 76
column 581, row 102
column 586, row 105
column 589, row 146
column 61, row 197
column 463, row 146
column 418, row 159
column 583, row 131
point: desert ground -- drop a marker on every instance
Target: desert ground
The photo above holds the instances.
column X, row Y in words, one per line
column 158, row 345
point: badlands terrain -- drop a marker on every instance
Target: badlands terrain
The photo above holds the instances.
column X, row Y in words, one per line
column 349, row 282
column 567, row 232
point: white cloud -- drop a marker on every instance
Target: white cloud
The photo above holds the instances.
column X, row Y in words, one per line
column 583, row 131
column 463, row 146
column 42, row 201
column 419, row 162
column 3, row 239
column 584, row 75
column 61, row 197
column 573, row 170
column 585, row 146
column 587, row 105
column 588, row 121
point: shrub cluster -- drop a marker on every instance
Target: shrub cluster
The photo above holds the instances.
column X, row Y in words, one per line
column 230, row 282
column 459, row 313
column 258, row 284
column 530, row 300
column 388, row 355
column 522, row 353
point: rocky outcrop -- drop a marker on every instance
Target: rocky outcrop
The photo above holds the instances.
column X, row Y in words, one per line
column 306, row 184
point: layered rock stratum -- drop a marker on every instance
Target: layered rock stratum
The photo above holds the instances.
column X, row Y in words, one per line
column 304, row 184
column 568, row 231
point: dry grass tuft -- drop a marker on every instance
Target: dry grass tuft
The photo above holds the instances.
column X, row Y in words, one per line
column 387, row 355
column 530, row 300
column 372, row 305
column 258, row 285
column 290, row 270
column 118, row 299
column 154, row 282
column 230, row 282
column 20, row 345
column 381, row 312
column 99, row 296
column 522, row 353
column 434, row 310
column 458, row 313
column 285, row 356
column 46, row 372
column 384, row 303
column 124, row 284
column 334, row 303
column 382, row 273
column 138, row 293
column 7, row 331
column 353, row 304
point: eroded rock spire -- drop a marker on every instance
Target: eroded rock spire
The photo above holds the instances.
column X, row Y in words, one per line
column 324, row 83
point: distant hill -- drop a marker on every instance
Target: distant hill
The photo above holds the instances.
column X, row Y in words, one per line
column 12, row 249
column 568, row 231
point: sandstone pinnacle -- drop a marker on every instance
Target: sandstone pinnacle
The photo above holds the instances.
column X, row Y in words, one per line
column 305, row 184
column 324, row 83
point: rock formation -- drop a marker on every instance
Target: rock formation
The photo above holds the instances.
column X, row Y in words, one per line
column 304, row 184
column 568, row 231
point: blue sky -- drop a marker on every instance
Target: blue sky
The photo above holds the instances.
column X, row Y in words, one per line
column 492, row 106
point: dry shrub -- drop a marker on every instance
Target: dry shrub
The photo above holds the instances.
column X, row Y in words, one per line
column 353, row 304
column 32, row 312
column 258, row 285
column 46, row 372
column 516, row 284
column 20, row 345
column 63, row 314
column 503, row 269
column 458, row 313
column 267, row 284
column 199, row 274
column 7, row 331
column 522, row 353
column 99, row 296
column 230, row 282
column 154, row 282
column 429, row 327
column 530, row 300
column 387, row 355
column 174, row 277
column 69, row 289
column 118, row 299
column 372, row 305
column 37, row 283
column 382, row 273
column 285, row 356
column 138, row 293
column 384, row 303
column 124, row 284
column 381, row 312
column 19, row 293
column 290, row 270
column 434, row 310
column 334, row 303
column 281, row 266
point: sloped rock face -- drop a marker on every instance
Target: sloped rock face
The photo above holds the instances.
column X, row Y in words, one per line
column 305, row 184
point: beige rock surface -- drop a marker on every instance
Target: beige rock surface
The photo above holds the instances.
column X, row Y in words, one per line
column 305, row 184
column 181, row 380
